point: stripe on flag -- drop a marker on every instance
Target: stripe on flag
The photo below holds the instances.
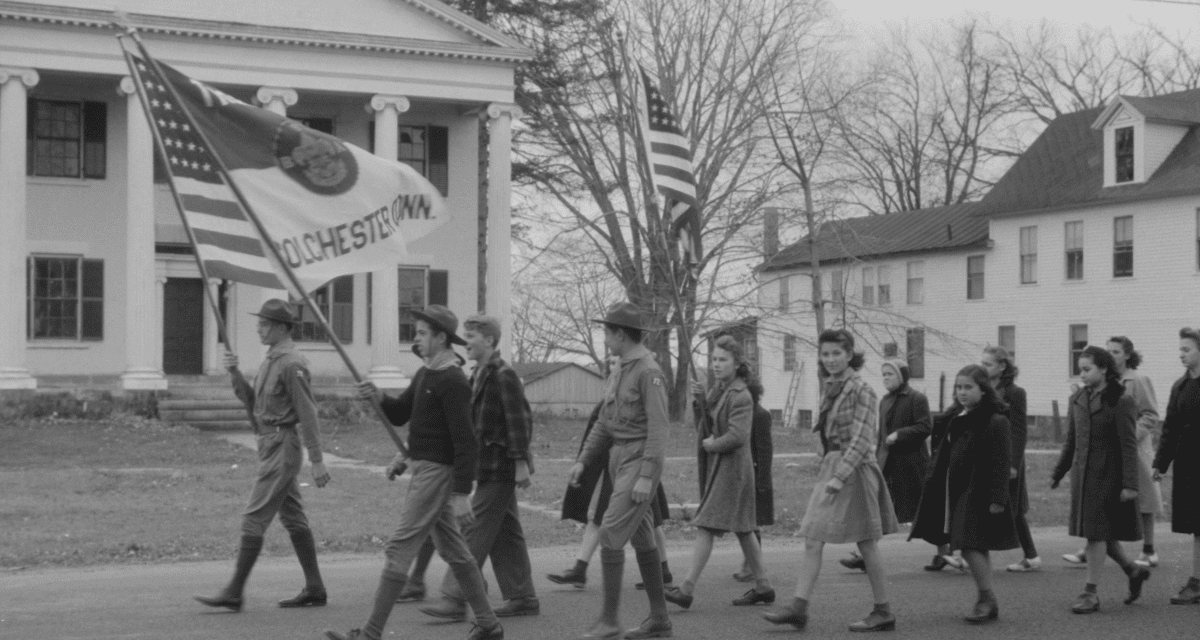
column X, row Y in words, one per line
column 670, row 156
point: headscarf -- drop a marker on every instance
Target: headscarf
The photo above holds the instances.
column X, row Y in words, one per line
column 901, row 368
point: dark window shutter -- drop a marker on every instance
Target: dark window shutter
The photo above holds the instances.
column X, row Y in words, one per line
column 439, row 158
column 371, row 136
column 439, row 288
column 95, row 139
column 30, row 126
column 92, row 300
column 324, row 125
column 28, row 298
column 370, row 299
column 160, row 169
column 342, row 308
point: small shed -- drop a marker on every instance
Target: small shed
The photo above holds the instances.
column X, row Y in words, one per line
column 561, row 388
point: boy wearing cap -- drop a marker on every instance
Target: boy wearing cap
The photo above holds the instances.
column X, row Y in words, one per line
column 632, row 428
column 442, row 455
column 503, row 426
column 280, row 400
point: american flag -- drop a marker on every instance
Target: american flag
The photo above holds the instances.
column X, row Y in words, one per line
column 226, row 241
column 670, row 157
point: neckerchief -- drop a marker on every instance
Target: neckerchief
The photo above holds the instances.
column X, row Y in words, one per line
column 443, row 360
column 833, row 389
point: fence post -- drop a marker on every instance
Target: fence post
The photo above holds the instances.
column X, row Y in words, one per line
column 1057, row 422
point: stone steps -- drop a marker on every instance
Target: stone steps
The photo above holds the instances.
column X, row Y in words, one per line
column 205, row 413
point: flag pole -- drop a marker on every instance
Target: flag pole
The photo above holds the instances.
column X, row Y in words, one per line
column 222, row 334
column 290, row 276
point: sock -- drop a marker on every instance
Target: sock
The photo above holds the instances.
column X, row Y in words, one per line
column 248, row 552
column 800, row 606
column 762, row 585
column 470, row 581
column 1194, row 582
column 612, row 564
column 391, row 584
column 306, row 553
column 986, row 595
column 652, row 575
column 882, row 607
column 580, row 566
column 1148, row 549
column 1089, row 588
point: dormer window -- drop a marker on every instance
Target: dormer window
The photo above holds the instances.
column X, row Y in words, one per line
column 1123, row 139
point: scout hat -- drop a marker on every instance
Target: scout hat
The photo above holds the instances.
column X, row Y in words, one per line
column 441, row 319
column 623, row 314
column 277, row 310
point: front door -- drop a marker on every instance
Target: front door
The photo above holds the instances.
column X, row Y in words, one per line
column 183, row 326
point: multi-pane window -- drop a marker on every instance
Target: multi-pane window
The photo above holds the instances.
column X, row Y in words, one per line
column 975, row 278
column 915, row 352
column 1123, row 247
column 65, row 298
column 789, row 353
column 1007, row 338
column 868, row 285
column 885, row 286
column 837, row 286
column 419, row 288
column 890, row 349
column 336, row 302
column 1074, row 249
column 785, row 294
column 916, row 282
column 66, row 139
column 1028, row 255
column 1123, row 138
column 424, row 148
column 1078, row 341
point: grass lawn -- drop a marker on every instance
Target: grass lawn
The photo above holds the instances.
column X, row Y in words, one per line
column 132, row 490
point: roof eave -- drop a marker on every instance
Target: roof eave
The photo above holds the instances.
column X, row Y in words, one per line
column 1071, row 206
column 976, row 244
column 1110, row 111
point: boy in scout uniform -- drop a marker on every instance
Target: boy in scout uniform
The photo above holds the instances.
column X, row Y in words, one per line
column 282, row 403
column 632, row 428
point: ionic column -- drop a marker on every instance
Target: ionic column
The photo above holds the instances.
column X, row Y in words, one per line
column 277, row 100
column 499, row 228
column 160, row 297
column 14, row 86
column 212, row 348
column 385, row 297
column 143, row 370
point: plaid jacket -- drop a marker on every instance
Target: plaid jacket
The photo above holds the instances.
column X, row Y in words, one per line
column 853, row 426
column 503, row 421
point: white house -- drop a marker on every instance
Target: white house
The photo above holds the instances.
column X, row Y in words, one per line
column 1094, row 232
column 91, row 240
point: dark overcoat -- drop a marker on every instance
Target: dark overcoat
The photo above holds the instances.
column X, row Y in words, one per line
column 762, row 450
column 969, row 472
column 1101, row 454
column 727, row 503
column 904, row 412
column 1180, row 445
column 1018, row 424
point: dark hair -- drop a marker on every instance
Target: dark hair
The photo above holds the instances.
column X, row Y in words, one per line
column 1134, row 359
column 1003, row 357
column 728, row 343
column 1190, row 334
column 435, row 330
column 634, row 335
column 846, row 340
column 990, row 401
column 1113, row 389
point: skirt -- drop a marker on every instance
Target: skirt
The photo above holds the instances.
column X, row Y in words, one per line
column 861, row 511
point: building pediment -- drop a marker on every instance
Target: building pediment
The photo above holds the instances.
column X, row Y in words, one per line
column 401, row 26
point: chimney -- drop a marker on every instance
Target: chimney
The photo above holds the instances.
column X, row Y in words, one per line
column 770, row 232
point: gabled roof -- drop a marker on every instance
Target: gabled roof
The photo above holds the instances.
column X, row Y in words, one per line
column 1182, row 107
column 223, row 20
column 947, row 228
column 531, row 372
column 1064, row 168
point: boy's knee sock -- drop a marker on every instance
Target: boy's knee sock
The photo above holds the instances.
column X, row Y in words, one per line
column 652, row 577
column 612, row 564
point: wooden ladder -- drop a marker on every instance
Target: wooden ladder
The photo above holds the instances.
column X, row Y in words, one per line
column 793, row 396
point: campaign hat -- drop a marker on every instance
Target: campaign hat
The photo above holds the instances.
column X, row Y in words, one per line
column 624, row 314
column 441, row 319
column 277, row 310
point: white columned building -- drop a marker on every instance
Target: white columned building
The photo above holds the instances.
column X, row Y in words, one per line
column 385, row 284
column 14, row 83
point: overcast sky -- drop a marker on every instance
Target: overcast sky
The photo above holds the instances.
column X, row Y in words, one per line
column 1119, row 14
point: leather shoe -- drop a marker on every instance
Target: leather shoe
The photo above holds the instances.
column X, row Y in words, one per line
column 306, row 598
column 220, row 601
column 353, row 634
column 1137, row 577
column 754, row 596
column 745, row 575
column 985, row 611
column 411, row 593
column 937, row 564
column 675, row 595
column 1087, row 603
column 855, row 561
column 573, row 577
column 650, row 628
column 787, row 615
column 447, row 610
column 518, row 607
column 486, row 633
column 601, row 632
column 876, row 621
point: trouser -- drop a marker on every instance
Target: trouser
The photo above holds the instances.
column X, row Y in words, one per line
column 427, row 514
column 276, row 490
column 626, row 521
column 497, row 534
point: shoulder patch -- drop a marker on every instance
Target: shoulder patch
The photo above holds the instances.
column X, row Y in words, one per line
column 656, row 381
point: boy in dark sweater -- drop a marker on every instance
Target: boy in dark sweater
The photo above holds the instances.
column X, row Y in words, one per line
column 442, row 456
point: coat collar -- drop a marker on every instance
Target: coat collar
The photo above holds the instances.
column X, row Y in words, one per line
column 280, row 348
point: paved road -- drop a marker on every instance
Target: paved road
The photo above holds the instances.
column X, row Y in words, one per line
column 155, row 601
